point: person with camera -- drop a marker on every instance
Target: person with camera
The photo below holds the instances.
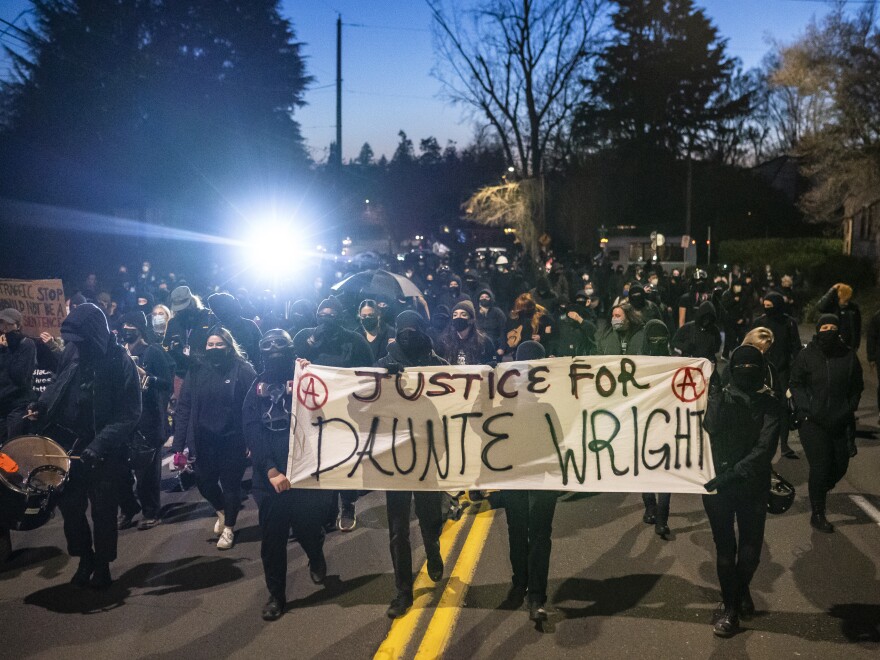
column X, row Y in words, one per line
column 145, row 457
column 97, row 396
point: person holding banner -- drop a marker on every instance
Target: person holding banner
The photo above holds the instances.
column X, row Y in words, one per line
column 266, row 421
column 529, row 528
column 625, row 335
column 743, row 422
column 412, row 348
column 657, row 504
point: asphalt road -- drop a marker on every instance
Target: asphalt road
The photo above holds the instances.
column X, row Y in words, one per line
column 616, row 589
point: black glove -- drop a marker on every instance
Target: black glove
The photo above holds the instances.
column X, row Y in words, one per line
column 394, row 368
column 719, row 481
column 89, row 457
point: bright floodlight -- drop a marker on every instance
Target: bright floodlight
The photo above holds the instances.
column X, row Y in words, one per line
column 273, row 247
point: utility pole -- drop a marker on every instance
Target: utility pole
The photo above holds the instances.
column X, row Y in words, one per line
column 688, row 196
column 338, row 159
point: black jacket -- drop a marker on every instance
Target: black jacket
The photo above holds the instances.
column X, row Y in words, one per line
column 477, row 348
column 492, row 321
column 336, row 347
column 107, row 380
column 696, row 340
column 379, row 346
column 786, row 339
column 873, row 339
column 17, row 363
column 826, row 388
column 210, row 405
column 153, row 360
column 743, row 431
column 397, row 358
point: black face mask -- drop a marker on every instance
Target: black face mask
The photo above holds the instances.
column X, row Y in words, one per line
column 747, row 377
column 217, row 356
column 370, row 324
column 485, row 303
column 453, row 290
column 461, row 324
column 772, row 311
column 658, row 346
column 827, row 339
column 706, row 322
column 637, row 300
column 413, row 343
column 328, row 323
column 14, row 339
column 129, row 336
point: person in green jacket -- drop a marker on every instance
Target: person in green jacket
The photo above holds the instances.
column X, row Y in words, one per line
column 625, row 335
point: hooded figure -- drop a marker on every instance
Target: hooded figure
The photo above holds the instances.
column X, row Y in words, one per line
column 97, row 394
column 491, row 319
column 700, row 337
column 245, row 332
column 786, row 337
column 454, row 293
column 657, row 338
column 826, row 385
column 743, row 420
column 301, row 315
column 639, row 300
column 266, row 421
column 544, row 295
column 462, row 342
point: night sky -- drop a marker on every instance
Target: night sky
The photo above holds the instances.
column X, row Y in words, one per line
column 388, row 57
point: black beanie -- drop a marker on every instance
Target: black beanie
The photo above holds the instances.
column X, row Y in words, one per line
column 746, row 355
column 530, row 350
column 136, row 319
column 826, row 319
column 330, row 303
column 410, row 320
column 467, row 306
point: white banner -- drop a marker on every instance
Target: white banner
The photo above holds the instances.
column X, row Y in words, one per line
column 593, row 424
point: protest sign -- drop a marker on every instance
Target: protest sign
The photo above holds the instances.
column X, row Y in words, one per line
column 41, row 303
column 594, row 424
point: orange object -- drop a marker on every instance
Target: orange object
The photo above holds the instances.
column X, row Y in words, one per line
column 7, row 464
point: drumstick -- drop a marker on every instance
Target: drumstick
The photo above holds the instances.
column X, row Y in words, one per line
column 73, row 458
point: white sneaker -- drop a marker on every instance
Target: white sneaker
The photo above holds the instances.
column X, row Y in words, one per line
column 227, row 539
column 220, row 524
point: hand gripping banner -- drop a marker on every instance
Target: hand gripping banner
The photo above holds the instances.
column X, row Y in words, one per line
column 593, row 424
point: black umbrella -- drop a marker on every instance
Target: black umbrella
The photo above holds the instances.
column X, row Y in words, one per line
column 378, row 283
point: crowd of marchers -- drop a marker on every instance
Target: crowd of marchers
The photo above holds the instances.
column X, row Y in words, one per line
column 203, row 364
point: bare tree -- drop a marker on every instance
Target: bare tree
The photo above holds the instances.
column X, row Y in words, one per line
column 510, row 204
column 520, row 64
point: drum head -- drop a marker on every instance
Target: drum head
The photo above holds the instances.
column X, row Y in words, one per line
column 32, row 454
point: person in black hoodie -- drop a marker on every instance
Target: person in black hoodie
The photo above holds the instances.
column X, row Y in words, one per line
column 18, row 359
column 157, row 378
column 826, row 385
column 266, row 421
column 786, row 345
column 331, row 345
column 742, row 420
column 838, row 301
column 97, row 395
column 640, row 302
column 187, row 331
column 373, row 328
column 491, row 319
column 412, row 348
column 699, row 338
column 209, row 422
column 453, row 294
column 657, row 504
column 245, row 332
column 462, row 342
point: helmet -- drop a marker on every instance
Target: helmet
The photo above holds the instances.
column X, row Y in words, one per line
column 501, row 261
column 700, row 275
column 781, row 494
column 275, row 341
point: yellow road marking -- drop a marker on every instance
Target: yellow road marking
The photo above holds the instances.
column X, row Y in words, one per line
column 403, row 629
column 446, row 615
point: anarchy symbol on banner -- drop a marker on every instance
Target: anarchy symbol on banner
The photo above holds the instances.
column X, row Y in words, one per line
column 312, row 392
column 688, row 384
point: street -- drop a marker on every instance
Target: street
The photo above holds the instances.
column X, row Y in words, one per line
column 616, row 589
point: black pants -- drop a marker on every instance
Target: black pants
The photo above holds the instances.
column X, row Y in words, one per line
column 98, row 487
column 660, row 501
column 828, row 456
column 428, row 510
column 529, row 528
column 729, row 511
column 218, row 476
column 299, row 510
column 784, row 414
column 139, row 490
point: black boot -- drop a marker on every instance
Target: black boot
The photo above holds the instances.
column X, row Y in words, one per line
column 746, row 604
column 273, row 608
column 650, row 516
column 84, row 571
column 101, row 578
column 661, row 529
column 537, row 613
column 818, row 520
column 401, row 603
column 727, row 624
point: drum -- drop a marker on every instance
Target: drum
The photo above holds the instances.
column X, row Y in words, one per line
column 33, row 471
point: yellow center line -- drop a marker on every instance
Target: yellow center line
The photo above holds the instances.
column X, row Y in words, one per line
column 442, row 624
column 403, row 629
